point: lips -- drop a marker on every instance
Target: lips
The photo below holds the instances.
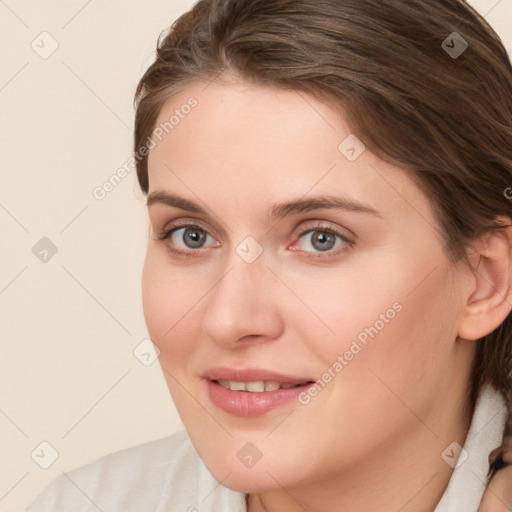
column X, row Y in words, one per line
column 252, row 392
column 252, row 375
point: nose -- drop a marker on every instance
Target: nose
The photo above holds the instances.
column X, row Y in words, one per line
column 243, row 306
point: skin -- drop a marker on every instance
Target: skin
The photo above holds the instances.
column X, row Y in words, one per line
column 498, row 497
column 372, row 439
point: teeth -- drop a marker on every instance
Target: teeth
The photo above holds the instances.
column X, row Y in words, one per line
column 272, row 385
column 223, row 383
column 255, row 387
column 237, row 386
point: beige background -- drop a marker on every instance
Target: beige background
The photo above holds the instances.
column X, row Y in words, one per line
column 69, row 326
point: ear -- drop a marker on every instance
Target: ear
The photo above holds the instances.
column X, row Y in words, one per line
column 490, row 297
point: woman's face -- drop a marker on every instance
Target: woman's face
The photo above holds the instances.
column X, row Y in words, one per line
column 282, row 252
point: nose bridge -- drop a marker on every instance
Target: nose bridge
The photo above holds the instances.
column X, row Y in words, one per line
column 240, row 303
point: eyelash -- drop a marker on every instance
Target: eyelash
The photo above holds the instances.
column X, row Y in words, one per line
column 169, row 230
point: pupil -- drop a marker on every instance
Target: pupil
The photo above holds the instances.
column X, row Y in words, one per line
column 194, row 238
column 323, row 241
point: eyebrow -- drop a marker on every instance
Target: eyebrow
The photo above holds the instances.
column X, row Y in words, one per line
column 277, row 211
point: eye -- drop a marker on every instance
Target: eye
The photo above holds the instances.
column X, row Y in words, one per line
column 321, row 240
column 184, row 239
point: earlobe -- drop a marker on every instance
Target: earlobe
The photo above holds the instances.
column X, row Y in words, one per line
column 490, row 299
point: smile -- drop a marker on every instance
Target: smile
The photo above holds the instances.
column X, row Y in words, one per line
column 256, row 387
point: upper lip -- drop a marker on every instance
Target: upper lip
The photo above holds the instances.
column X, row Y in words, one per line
column 251, row 375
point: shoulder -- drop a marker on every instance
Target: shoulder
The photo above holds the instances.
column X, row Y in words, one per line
column 166, row 472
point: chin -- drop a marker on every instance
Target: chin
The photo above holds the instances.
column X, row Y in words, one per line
column 265, row 475
column 252, row 481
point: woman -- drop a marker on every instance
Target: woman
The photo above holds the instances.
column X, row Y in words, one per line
column 328, row 276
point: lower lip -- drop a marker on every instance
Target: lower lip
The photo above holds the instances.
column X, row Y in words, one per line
column 246, row 403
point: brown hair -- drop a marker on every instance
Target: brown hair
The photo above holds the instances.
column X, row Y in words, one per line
column 410, row 88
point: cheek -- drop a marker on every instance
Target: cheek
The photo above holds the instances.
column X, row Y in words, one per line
column 388, row 332
column 412, row 361
column 170, row 297
column 390, row 355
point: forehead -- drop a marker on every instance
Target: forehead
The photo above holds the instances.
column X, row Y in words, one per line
column 239, row 121
column 253, row 145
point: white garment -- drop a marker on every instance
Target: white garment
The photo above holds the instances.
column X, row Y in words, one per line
column 167, row 475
